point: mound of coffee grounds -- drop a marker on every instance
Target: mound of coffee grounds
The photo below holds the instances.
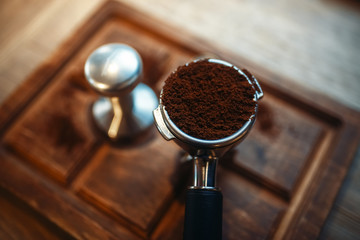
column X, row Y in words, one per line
column 208, row 100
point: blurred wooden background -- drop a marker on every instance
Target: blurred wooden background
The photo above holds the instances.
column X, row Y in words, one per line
column 313, row 43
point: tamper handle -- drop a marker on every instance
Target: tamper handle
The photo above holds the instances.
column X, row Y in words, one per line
column 203, row 214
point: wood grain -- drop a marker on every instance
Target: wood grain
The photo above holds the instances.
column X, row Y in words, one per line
column 56, row 204
column 34, row 35
column 291, row 203
column 52, row 134
column 282, row 133
column 19, row 221
column 136, row 183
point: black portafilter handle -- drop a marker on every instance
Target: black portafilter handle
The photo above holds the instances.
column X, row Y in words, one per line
column 203, row 214
column 203, row 206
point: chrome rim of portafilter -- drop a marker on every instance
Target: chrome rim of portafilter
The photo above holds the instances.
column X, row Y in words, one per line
column 206, row 153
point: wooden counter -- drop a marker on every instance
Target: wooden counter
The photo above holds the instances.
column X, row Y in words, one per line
column 34, row 32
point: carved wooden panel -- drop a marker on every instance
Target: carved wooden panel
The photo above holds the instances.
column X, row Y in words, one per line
column 52, row 134
column 279, row 183
column 136, row 183
column 280, row 145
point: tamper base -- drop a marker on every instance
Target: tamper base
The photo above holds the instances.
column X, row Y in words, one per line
column 125, row 117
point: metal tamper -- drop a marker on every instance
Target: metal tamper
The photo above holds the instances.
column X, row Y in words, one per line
column 125, row 107
column 203, row 210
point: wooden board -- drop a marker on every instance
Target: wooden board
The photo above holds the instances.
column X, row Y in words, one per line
column 280, row 183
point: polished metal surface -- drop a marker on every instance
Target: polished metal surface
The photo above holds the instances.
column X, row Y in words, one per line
column 205, row 152
column 125, row 109
column 112, row 68
column 205, row 172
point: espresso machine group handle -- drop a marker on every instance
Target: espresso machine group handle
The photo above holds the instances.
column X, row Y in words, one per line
column 203, row 214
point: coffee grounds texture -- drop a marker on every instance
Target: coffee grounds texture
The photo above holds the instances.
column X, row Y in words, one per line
column 208, row 100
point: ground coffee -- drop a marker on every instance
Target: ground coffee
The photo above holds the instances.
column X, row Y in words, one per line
column 208, row 100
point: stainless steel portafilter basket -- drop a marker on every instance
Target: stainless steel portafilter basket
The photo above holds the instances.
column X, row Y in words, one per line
column 204, row 221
